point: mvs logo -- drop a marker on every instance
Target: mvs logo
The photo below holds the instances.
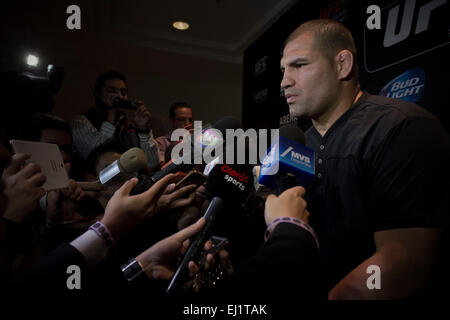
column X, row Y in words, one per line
column 409, row 28
column 408, row 86
column 296, row 156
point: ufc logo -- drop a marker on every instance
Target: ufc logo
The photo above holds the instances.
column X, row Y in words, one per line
column 391, row 37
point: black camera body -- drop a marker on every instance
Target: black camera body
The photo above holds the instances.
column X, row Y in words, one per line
column 126, row 104
column 24, row 94
column 31, row 92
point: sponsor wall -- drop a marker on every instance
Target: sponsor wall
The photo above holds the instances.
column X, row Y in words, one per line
column 407, row 58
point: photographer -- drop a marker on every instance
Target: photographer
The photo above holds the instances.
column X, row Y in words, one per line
column 107, row 122
column 180, row 114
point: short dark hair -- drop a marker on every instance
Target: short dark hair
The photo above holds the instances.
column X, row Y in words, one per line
column 330, row 37
column 101, row 79
column 94, row 157
column 177, row 105
column 42, row 121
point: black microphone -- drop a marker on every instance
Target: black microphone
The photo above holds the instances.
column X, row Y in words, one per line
column 228, row 186
column 146, row 182
column 289, row 163
column 291, row 131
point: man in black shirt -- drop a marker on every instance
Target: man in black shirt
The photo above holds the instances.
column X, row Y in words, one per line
column 380, row 197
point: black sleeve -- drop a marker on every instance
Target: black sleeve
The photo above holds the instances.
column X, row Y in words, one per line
column 410, row 174
column 50, row 275
column 287, row 266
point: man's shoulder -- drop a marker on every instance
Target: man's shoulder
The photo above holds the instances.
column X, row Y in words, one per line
column 379, row 116
column 380, row 107
column 373, row 110
column 383, row 120
column 79, row 118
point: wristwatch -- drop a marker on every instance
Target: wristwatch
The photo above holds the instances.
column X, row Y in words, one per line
column 132, row 269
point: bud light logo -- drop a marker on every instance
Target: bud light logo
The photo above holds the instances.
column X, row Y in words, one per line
column 408, row 86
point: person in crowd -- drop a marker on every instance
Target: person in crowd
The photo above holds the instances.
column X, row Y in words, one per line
column 266, row 274
column 104, row 155
column 377, row 200
column 107, row 122
column 98, row 159
column 21, row 190
column 50, row 217
column 274, row 272
column 60, row 206
column 180, row 114
column 122, row 214
column 49, row 128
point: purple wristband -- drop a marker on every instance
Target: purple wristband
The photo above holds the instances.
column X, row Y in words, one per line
column 297, row 222
column 103, row 232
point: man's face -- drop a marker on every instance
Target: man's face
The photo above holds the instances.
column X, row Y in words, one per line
column 112, row 89
column 310, row 80
column 60, row 138
column 183, row 117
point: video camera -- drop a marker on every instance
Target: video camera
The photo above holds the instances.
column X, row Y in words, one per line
column 31, row 92
column 23, row 94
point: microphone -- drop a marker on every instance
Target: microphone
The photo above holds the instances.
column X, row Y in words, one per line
column 288, row 163
column 227, row 187
column 131, row 161
column 126, row 104
column 146, row 182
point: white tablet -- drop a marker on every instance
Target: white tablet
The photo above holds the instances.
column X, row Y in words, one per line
column 48, row 157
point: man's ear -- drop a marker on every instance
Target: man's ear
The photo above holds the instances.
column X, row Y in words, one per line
column 345, row 64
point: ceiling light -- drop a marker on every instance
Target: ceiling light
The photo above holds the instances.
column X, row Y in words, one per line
column 180, row 25
column 32, row 60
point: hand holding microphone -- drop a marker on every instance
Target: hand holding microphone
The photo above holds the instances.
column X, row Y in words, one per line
column 228, row 186
column 158, row 259
column 130, row 161
column 289, row 204
column 113, row 177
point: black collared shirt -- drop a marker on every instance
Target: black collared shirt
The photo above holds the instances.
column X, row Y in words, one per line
column 384, row 164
